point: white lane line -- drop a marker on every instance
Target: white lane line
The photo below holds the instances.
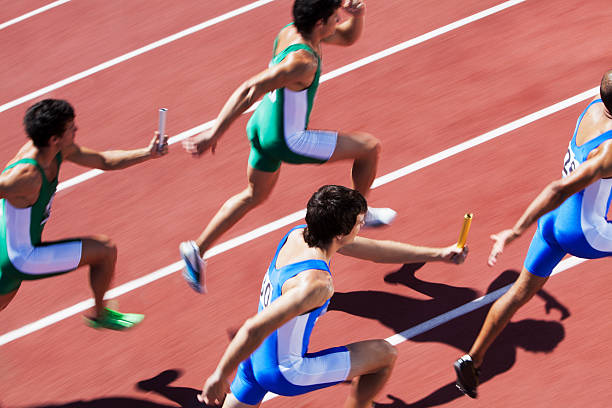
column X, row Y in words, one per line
column 460, row 311
column 326, row 77
column 133, row 54
column 289, row 219
column 32, row 13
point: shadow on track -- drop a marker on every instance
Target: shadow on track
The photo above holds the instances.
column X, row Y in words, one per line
column 183, row 396
column 459, row 333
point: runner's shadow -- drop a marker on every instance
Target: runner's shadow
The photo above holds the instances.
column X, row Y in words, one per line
column 184, row 397
column 460, row 332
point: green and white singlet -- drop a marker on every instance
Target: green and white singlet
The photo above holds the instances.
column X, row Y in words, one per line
column 277, row 130
column 23, row 255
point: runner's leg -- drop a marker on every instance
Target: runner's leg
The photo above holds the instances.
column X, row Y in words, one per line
column 364, row 150
column 100, row 253
column 371, row 364
column 260, row 185
column 6, row 299
column 502, row 311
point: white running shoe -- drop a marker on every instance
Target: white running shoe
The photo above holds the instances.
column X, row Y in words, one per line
column 195, row 267
column 377, row 217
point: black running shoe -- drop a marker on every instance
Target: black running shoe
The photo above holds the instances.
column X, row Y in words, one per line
column 467, row 376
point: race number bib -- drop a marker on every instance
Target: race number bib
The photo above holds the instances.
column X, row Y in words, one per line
column 569, row 162
column 266, row 292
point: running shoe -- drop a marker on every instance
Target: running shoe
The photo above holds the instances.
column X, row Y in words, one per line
column 467, row 376
column 377, row 217
column 195, row 267
column 114, row 320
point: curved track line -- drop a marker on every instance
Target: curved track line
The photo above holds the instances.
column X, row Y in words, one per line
column 291, row 218
column 132, row 54
column 32, row 13
column 330, row 75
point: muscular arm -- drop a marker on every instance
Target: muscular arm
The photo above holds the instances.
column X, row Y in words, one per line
column 113, row 159
column 398, row 252
column 297, row 71
column 597, row 166
column 311, row 291
column 21, row 185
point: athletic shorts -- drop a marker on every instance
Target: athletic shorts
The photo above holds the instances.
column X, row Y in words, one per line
column 250, row 385
column 38, row 262
column 302, row 147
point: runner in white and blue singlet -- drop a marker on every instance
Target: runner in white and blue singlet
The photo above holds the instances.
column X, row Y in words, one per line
column 270, row 351
column 572, row 219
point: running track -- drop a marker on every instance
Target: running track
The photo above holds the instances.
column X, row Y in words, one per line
column 419, row 101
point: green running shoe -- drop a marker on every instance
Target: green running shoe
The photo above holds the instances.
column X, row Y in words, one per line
column 115, row 320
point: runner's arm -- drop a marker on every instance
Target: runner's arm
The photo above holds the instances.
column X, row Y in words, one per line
column 114, row 159
column 20, row 186
column 349, row 31
column 597, row 166
column 398, row 252
column 296, row 70
column 312, row 290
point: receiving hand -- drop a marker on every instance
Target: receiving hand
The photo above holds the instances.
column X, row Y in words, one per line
column 501, row 239
column 200, row 143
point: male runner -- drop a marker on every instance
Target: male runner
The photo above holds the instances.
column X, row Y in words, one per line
column 571, row 214
column 270, row 349
column 278, row 129
column 27, row 187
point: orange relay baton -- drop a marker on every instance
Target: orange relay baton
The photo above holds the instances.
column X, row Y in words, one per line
column 467, row 221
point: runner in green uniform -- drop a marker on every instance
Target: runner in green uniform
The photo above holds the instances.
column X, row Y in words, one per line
column 278, row 130
column 27, row 187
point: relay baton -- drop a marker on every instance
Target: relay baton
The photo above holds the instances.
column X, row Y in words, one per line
column 467, row 221
column 162, row 128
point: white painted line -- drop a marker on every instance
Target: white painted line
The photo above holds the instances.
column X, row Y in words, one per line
column 132, row 54
column 326, row 77
column 289, row 219
column 32, row 13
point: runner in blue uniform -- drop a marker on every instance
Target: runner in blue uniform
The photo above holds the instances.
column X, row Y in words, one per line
column 572, row 219
column 27, row 188
column 270, row 350
column 278, row 130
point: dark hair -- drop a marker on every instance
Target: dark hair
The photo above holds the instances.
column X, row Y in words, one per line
column 330, row 212
column 605, row 90
column 47, row 118
column 306, row 13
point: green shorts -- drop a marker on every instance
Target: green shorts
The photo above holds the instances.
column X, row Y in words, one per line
column 270, row 149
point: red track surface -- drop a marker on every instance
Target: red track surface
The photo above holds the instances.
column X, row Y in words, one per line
column 418, row 102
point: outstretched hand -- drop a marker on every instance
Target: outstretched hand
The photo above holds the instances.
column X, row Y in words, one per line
column 215, row 389
column 200, row 143
column 154, row 149
column 454, row 254
column 355, row 8
column 501, row 239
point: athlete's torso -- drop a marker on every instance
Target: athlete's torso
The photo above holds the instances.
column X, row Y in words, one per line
column 28, row 223
column 580, row 223
column 284, row 111
column 290, row 342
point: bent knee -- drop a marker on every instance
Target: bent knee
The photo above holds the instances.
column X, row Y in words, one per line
column 105, row 246
column 254, row 197
column 386, row 352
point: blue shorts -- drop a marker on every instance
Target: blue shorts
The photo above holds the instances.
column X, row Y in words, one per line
column 248, row 390
column 543, row 255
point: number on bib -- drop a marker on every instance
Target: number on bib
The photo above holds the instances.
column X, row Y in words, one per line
column 266, row 292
